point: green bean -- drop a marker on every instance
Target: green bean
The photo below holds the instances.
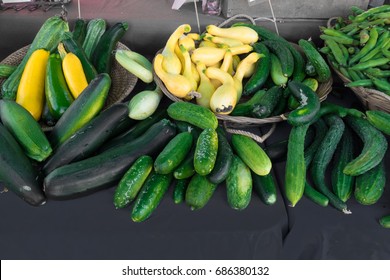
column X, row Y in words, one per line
column 353, row 31
column 345, row 52
column 351, row 50
column 360, row 83
column 340, row 40
column 353, row 74
column 369, row 46
column 383, row 40
column 348, row 28
column 344, row 71
column 325, row 50
column 337, row 52
column 368, row 24
column 363, row 37
column 386, row 52
column 381, row 84
column 361, row 17
column 335, row 33
column 356, row 10
column 382, row 15
column 370, row 63
column 377, row 73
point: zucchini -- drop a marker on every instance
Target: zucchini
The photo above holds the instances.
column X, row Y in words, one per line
column 193, row 114
column 88, row 139
column 239, row 184
column 324, row 155
column 179, row 191
column 79, row 30
column 6, row 70
column 151, row 195
column 370, row 185
column 95, row 29
column 268, row 102
column 107, row 168
column 199, row 192
column 380, row 120
column 132, row 181
column 48, row 37
column 206, row 151
column 173, row 153
column 342, row 184
column 374, row 147
column 251, row 154
column 265, row 187
column 17, row 173
column 25, row 129
column 82, row 110
column 223, row 161
column 284, row 55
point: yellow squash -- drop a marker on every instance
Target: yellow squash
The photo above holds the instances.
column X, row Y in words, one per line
column 242, row 33
column 31, row 90
column 208, row 55
column 205, row 88
column 243, row 67
column 187, row 69
column 230, row 42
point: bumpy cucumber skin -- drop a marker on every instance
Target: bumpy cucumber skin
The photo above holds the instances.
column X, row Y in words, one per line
column 379, row 119
column 206, row 152
column 179, row 191
column 151, row 195
column 239, row 185
column 199, row 192
column 265, row 187
column 132, row 181
column 284, row 55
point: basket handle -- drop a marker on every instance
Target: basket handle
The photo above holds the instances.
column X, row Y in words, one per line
column 259, row 139
column 329, row 22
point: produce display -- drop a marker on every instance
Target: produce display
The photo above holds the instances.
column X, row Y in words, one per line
column 144, row 146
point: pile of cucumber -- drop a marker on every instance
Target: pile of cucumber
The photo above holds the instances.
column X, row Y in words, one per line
column 358, row 47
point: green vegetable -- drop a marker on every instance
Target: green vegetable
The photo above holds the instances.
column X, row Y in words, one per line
column 199, row 192
column 206, row 152
column 277, row 75
column 179, row 191
column 380, row 120
column 284, row 55
column 265, row 187
column 6, row 70
column 144, row 103
column 95, row 29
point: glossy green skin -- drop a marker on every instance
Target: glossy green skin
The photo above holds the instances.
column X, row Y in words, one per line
column 262, row 70
column 179, row 191
column 82, row 110
column 379, row 119
column 284, row 55
column 206, row 152
column 385, row 221
column 370, row 185
column 337, row 52
column 132, row 181
column 80, row 30
column 265, row 187
column 173, row 153
column 239, row 185
column 374, row 147
column 58, row 96
column 151, row 195
column 199, row 192
column 310, row 104
column 95, row 29
column 315, row 196
column 245, row 108
column 268, row 103
column 102, row 56
column 277, row 75
column 186, row 168
column 25, row 129
column 17, row 172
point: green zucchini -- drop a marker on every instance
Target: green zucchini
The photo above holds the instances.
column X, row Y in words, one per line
column 95, row 29
column 179, row 191
column 342, row 184
column 374, row 147
column 193, row 114
column 284, row 55
column 206, row 151
column 57, row 93
column 25, row 129
column 82, row 110
column 17, row 173
column 239, row 184
column 262, row 70
column 265, row 187
column 151, row 195
column 370, row 185
column 380, row 120
column 107, row 168
column 323, row 157
column 88, row 139
column 251, row 154
column 132, row 181
column 48, row 37
column 173, row 153
column 6, row 70
column 103, row 56
column 79, row 30
column 199, row 192
column 268, row 102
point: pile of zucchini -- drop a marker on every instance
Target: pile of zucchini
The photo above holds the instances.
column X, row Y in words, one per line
column 358, row 47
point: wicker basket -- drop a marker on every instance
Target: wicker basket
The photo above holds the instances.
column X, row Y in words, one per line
column 371, row 99
column 123, row 82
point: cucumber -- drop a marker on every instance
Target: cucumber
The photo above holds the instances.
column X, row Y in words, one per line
column 265, row 187
column 385, row 221
column 268, row 102
column 315, row 196
column 206, row 152
column 251, row 154
column 284, row 55
column 107, row 168
column 239, row 184
column 186, row 168
column 342, row 184
column 82, row 110
column 262, row 70
column 179, row 191
column 173, row 153
column 374, row 147
column 223, row 161
column 132, row 181
column 199, row 192
column 379, row 119
column 310, row 70
column 17, row 173
column 309, row 109
column 323, row 157
column 370, row 185
column 48, row 37
column 193, row 114
column 95, row 29
column 277, row 74
column 151, row 195
column 295, row 174
column 319, row 63
column 25, row 129
column 246, row 108
column 88, row 139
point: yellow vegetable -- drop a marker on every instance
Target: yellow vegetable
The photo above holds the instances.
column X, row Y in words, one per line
column 177, row 84
column 208, row 55
column 224, row 98
column 245, row 34
column 171, row 63
column 236, row 61
column 187, row 42
column 230, row 42
column 227, row 63
column 243, row 68
column 241, row 49
column 195, row 73
column 205, row 88
column 194, row 36
column 187, row 71
column 207, row 44
column 31, row 90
